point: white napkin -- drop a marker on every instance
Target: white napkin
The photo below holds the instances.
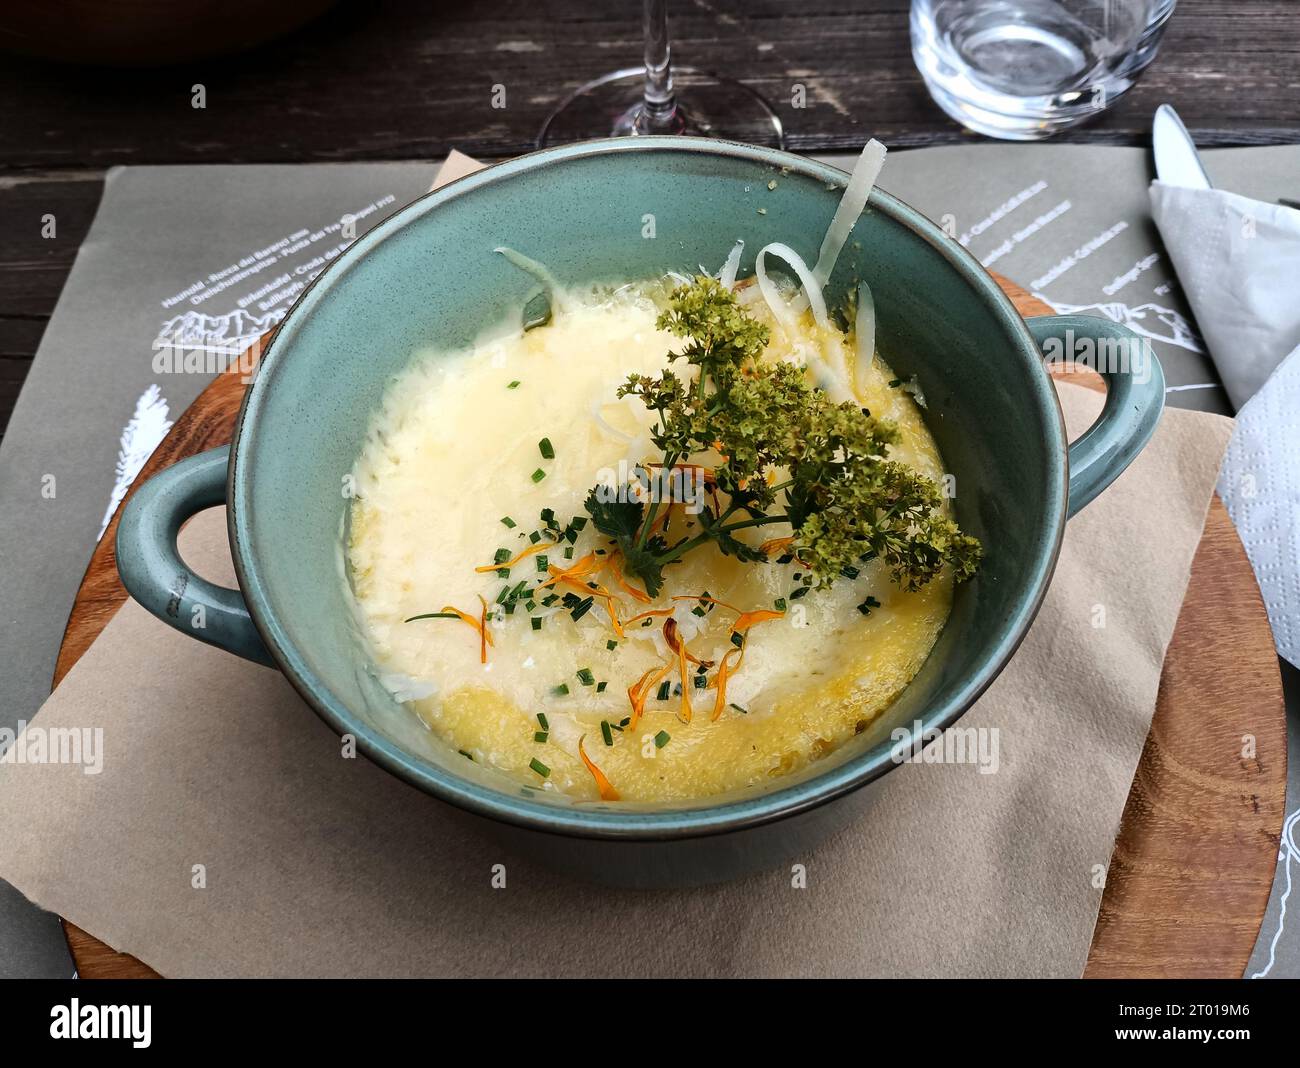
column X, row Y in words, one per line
column 1260, row 485
column 1239, row 263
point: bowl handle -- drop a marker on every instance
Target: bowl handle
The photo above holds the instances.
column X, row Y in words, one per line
column 1135, row 395
column 154, row 573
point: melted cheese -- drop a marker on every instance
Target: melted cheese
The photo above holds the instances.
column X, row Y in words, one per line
column 453, row 450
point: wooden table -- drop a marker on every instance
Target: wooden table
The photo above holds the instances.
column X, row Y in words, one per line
column 389, row 80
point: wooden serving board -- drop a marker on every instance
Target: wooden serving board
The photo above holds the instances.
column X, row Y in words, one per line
column 1193, row 864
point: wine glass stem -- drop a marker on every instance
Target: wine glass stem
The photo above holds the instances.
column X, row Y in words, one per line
column 660, row 101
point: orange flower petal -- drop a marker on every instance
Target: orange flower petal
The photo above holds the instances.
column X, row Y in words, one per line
column 607, row 791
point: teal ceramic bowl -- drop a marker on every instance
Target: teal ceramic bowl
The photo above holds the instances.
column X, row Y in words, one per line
column 429, row 276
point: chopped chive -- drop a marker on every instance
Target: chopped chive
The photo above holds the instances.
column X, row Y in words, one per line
column 611, row 644
column 540, row 736
column 432, row 615
column 568, row 552
column 513, row 385
column 466, row 754
column 503, row 572
column 737, row 639
column 541, row 561
column 606, row 733
column 583, row 607
column 578, row 522
column 866, row 606
column 539, row 767
column 547, row 449
column 662, row 739
column 894, row 383
column 742, row 711
column 586, row 677
column 780, row 604
column 535, row 537
column 501, row 556
column 697, row 611
column 600, row 686
column 664, row 690
column 548, row 515
column 510, row 523
column 561, row 690
column 849, row 572
column 536, row 622
column 538, row 475
column 541, row 719
column 625, row 721
column 701, row 681
column 797, row 593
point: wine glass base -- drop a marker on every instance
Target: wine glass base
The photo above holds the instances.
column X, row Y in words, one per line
column 708, row 105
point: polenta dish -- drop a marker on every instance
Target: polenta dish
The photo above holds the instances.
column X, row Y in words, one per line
column 657, row 542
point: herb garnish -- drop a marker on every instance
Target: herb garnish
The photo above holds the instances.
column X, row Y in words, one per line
column 785, row 454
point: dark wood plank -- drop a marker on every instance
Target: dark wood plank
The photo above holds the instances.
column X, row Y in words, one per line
column 388, row 80
column 33, row 268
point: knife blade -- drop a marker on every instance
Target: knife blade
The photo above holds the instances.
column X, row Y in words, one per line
column 1176, row 160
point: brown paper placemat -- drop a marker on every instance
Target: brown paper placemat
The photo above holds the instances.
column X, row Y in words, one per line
column 316, row 865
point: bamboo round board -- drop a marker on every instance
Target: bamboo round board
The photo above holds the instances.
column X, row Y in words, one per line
column 1194, row 860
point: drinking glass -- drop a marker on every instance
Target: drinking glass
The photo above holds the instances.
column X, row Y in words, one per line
column 1023, row 70
column 659, row 98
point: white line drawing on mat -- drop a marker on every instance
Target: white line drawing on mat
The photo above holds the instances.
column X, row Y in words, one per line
column 1290, row 850
column 1148, row 320
column 142, row 434
column 232, row 332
